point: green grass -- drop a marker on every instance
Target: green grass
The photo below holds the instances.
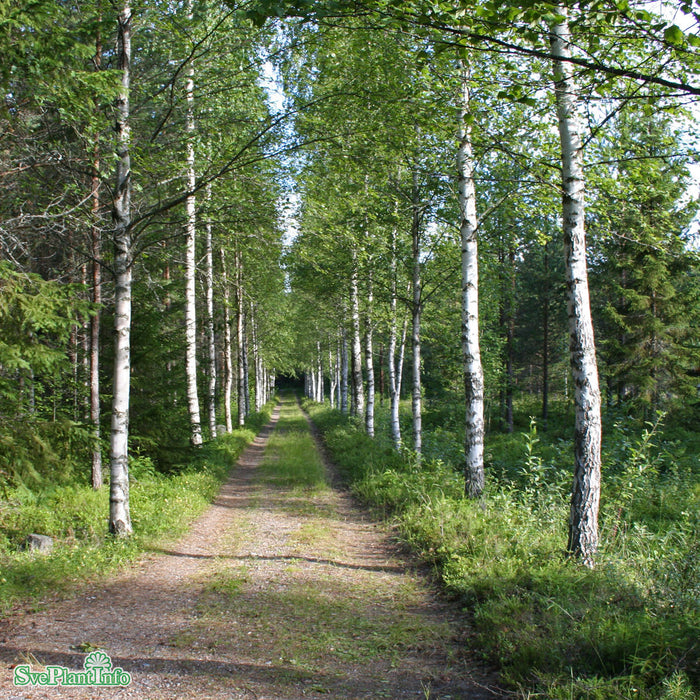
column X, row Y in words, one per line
column 627, row 629
column 291, row 458
column 162, row 507
column 327, row 623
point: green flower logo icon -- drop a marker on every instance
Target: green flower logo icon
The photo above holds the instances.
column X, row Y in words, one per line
column 97, row 659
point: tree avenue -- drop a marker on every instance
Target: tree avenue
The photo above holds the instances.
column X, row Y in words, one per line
column 469, row 229
column 457, row 224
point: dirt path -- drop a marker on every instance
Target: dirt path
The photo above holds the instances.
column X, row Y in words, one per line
column 275, row 593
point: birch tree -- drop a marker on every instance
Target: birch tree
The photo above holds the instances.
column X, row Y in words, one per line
column 473, row 372
column 191, row 260
column 211, row 336
column 585, row 497
column 119, row 512
column 96, row 249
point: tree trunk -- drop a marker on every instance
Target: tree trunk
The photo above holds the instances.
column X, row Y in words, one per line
column 74, row 362
column 416, row 309
column 96, row 241
column 228, row 348
column 394, row 380
column 246, row 364
column 510, row 338
column 344, row 374
column 399, row 364
column 585, row 497
column 382, row 377
column 119, row 513
column 211, row 336
column 369, row 357
column 358, row 394
column 240, row 329
column 257, row 361
column 333, row 375
column 471, row 352
column 191, row 265
column 319, row 370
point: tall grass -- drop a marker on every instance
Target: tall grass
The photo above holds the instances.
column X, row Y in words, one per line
column 628, row 628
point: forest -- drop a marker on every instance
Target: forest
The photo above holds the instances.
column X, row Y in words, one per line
column 466, row 232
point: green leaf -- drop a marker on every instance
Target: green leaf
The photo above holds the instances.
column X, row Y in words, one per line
column 673, row 35
column 529, row 101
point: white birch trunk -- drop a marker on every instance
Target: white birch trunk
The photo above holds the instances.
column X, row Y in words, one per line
column 358, row 396
column 259, row 372
column 332, row 375
column 96, row 241
column 394, row 382
column 393, row 387
column 585, row 497
column 399, row 364
column 338, row 368
column 344, row 374
column 246, row 364
column 191, row 266
column 240, row 329
column 471, row 352
column 95, row 320
column 369, row 358
column 416, row 308
column 211, row 336
column 319, row 374
column 416, row 398
column 228, row 349
column 119, row 513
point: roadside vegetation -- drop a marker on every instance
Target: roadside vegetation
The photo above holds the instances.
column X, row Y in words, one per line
column 164, row 501
column 627, row 628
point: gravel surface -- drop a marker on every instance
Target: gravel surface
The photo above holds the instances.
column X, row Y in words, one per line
column 274, row 593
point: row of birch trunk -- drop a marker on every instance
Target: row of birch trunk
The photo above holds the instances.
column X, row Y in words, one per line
column 347, row 376
column 242, row 358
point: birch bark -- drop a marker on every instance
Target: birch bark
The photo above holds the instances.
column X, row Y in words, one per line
column 319, row 374
column 344, row 374
column 585, row 496
column 394, row 379
column 369, row 357
column 119, row 513
column 416, row 309
column 228, row 349
column 96, row 242
column 246, row 364
column 471, row 351
column 358, row 394
column 240, row 327
column 333, row 375
column 257, row 361
column 211, row 336
column 191, row 265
